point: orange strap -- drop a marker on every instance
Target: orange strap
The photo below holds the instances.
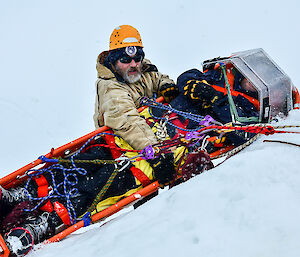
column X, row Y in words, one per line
column 230, row 78
column 43, row 189
column 62, row 212
column 42, row 186
column 252, row 100
column 218, row 142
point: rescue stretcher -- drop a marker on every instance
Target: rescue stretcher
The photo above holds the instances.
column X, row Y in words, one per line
column 276, row 95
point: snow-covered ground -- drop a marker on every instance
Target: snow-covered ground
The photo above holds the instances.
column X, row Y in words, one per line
column 248, row 206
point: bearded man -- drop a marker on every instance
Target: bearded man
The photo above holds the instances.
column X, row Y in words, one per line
column 124, row 78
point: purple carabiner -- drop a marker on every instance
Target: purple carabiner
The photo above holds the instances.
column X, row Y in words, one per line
column 191, row 135
column 148, row 152
column 205, row 122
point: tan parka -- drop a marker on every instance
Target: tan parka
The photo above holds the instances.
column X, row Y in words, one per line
column 117, row 102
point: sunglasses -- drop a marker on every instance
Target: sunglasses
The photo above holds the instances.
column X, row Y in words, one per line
column 128, row 59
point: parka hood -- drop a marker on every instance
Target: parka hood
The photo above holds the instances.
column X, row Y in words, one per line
column 103, row 71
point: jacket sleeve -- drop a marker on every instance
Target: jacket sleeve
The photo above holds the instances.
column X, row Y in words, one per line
column 120, row 114
column 163, row 80
column 157, row 79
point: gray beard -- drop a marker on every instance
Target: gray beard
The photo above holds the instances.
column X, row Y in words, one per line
column 132, row 78
column 129, row 79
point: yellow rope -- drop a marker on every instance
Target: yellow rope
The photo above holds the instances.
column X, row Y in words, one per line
column 96, row 161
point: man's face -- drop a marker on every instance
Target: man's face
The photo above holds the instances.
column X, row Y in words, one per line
column 130, row 72
column 247, row 85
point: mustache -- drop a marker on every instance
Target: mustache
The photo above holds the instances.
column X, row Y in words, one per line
column 133, row 69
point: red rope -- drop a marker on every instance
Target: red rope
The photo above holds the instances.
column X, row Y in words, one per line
column 112, row 147
column 165, row 145
column 266, row 130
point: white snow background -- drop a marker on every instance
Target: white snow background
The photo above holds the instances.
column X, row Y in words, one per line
column 248, row 206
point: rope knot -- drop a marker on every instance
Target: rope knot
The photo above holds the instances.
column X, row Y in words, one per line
column 268, row 130
column 122, row 163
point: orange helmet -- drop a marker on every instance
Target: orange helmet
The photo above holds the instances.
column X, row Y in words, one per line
column 124, row 35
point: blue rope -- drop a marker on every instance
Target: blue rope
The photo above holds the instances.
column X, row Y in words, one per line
column 86, row 143
column 70, row 180
column 70, row 174
column 190, row 116
column 68, row 185
column 171, row 124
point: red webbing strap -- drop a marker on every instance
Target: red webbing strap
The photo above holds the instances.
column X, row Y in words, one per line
column 62, row 212
column 139, row 174
column 43, row 189
column 175, row 120
column 110, row 140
